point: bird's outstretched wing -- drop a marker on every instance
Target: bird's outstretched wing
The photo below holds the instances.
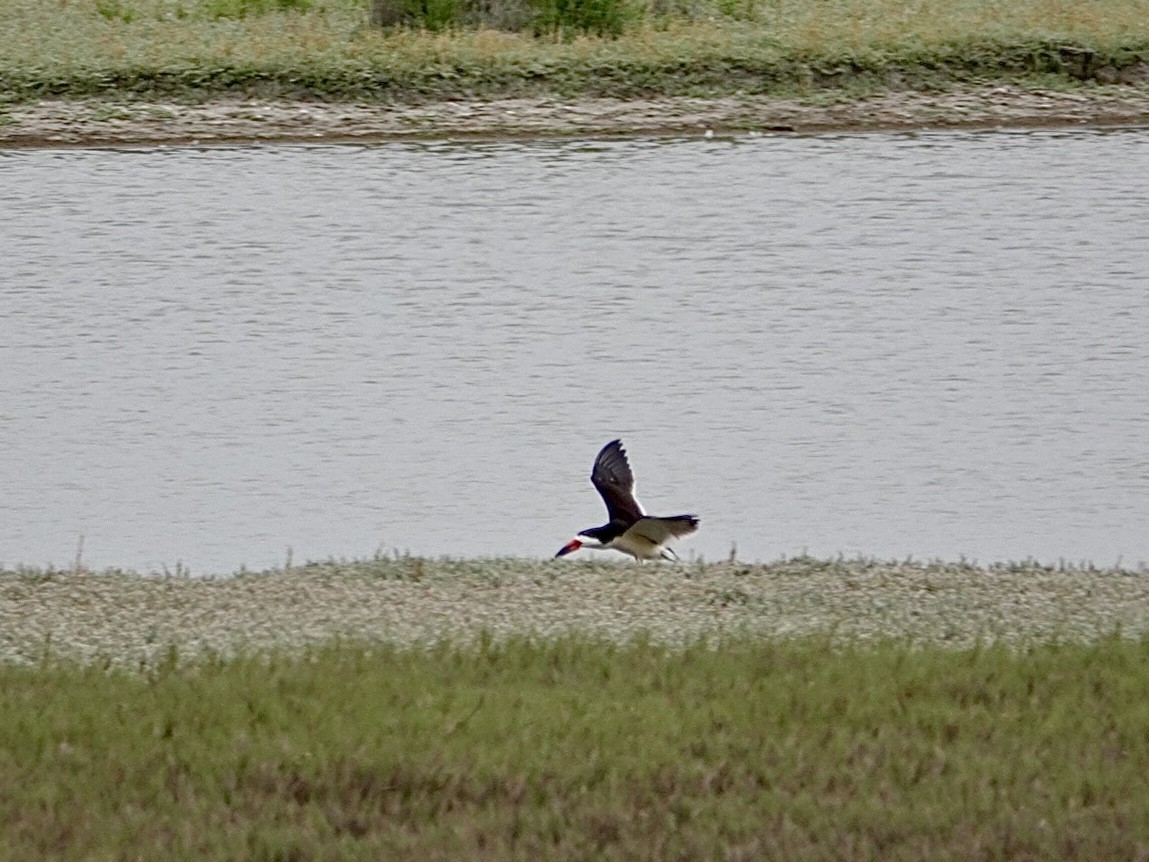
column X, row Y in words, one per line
column 615, row 482
column 658, row 531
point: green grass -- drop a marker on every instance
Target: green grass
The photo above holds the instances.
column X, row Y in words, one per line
column 327, row 49
column 576, row 749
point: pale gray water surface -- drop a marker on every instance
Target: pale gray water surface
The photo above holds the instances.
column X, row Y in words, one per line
column 890, row 345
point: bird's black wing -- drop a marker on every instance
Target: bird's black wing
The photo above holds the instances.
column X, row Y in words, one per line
column 612, row 477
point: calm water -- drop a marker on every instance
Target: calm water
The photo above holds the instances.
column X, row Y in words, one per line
column 932, row 345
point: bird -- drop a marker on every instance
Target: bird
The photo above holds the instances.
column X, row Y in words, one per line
column 629, row 529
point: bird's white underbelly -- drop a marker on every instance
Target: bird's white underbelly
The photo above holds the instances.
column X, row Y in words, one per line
column 637, row 546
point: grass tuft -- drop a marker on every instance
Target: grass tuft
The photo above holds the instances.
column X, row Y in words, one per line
column 115, row 10
column 540, row 17
column 240, row 9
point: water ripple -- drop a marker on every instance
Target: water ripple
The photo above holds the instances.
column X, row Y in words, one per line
column 881, row 344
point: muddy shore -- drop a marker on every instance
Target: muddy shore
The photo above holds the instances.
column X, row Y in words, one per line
column 102, row 122
column 129, row 618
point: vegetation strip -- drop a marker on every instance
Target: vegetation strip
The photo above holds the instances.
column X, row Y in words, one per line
column 202, row 49
column 129, row 620
column 583, row 748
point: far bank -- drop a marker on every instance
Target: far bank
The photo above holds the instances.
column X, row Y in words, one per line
column 176, row 71
column 107, row 121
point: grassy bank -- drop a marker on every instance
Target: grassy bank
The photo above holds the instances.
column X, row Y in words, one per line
column 579, row 748
column 326, row 49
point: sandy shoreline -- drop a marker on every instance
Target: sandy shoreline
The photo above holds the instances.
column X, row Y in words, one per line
column 132, row 619
column 105, row 123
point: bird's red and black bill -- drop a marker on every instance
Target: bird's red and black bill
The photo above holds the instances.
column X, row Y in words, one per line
column 572, row 545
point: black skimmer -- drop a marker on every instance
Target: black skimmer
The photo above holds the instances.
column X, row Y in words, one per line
column 629, row 529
